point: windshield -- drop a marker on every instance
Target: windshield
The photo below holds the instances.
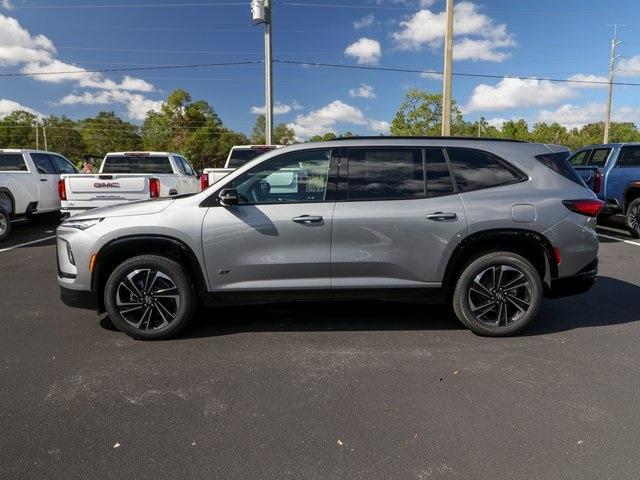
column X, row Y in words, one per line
column 134, row 164
column 241, row 156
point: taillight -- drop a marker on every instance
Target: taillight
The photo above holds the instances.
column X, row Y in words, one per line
column 154, row 187
column 204, row 181
column 590, row 207
column 597, row 181
column 62, row 190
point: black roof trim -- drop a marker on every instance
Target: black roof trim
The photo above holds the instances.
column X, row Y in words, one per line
column 389, row 137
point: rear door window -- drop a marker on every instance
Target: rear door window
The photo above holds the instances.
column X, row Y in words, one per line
column 580, row 158
column 439, row 180
column 43, row 162
column 62, row 165
column 12, row 162
column 187, row 168
column 599, row 157
column 385, row 173
column 137, row 164
column 476, row 169
column 629, row 157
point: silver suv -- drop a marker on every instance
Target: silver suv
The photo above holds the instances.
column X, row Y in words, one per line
column 487, row 226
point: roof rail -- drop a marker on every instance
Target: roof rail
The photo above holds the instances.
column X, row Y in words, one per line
column 408, row 137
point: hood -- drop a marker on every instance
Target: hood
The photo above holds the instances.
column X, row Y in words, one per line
column 143, row 207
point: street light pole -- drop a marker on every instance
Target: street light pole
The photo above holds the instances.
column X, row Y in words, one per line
column 268, row 74
column 612, row 62
column 448, row 57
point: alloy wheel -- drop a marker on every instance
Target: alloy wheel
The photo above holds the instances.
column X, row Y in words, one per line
column 147, row 299
column 634, row 218
column 500, row 295
column 3, row 224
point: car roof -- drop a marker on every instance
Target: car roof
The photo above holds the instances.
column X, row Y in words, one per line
column 26, row 150
column 141, row 152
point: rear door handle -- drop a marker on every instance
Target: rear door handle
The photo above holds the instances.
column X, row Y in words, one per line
column 43, row 180
column 307, row 219
column 440, row 216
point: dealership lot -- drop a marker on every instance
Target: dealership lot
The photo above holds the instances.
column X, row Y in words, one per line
column 318, row 390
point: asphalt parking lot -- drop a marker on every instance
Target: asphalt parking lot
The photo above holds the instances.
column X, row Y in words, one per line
column 318, row 391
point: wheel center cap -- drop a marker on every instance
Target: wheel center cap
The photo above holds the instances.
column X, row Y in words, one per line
column 148, row 299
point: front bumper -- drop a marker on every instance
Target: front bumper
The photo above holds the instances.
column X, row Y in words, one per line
column 79, row 298
column 575, row 284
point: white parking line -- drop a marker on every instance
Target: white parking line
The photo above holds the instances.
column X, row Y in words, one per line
column 612, row 229
column 27, row 243
column 619, row 239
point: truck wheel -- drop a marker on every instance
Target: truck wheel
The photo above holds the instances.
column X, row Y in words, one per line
column 633, row 218
column 498, row 294
column 5, row 224
column 150, row 297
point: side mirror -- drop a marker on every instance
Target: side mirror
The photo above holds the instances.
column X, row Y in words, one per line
column 228, row 197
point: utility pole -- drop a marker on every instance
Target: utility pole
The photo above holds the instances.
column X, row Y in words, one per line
column 261, row 13
column 612, row 62
column 37, row 139
column 44, row 134
column 448, row 57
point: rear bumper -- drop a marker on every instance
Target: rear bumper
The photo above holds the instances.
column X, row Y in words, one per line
column 86, row 299
column 575, row 284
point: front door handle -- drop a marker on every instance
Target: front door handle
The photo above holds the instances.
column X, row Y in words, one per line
column 440, row 216
column 307, row 219
column 43, row 180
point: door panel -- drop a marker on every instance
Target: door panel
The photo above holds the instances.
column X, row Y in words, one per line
column 392, row 243
column 259, row 247
column 48, row 184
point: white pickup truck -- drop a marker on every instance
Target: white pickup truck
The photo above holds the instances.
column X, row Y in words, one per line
column 238, row 156
column 29, row 184
column 127, row 177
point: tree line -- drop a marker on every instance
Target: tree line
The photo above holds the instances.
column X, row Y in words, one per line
column 193, row 129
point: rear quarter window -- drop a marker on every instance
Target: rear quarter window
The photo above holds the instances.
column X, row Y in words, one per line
column 12, row 162
column 124, row 164
column 559, row 163
column 477, row 169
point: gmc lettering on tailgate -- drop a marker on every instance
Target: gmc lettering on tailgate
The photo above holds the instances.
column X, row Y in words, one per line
column 106, row 185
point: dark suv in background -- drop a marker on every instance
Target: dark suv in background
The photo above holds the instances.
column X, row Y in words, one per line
column 488, row 226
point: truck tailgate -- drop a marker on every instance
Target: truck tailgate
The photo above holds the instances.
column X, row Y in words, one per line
column 125, row 187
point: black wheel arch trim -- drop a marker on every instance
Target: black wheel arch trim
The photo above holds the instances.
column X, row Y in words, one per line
column 550, row 265
column 633, row 185
column 113, row 246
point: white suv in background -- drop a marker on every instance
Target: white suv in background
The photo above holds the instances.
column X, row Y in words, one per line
column 29, row 184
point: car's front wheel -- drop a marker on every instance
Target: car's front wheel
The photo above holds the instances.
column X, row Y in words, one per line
column 498, row 294
column 150, row 297
column 5, row 224
column 633, row 218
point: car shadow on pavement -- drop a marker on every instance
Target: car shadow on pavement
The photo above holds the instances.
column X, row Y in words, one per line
column 609, row 302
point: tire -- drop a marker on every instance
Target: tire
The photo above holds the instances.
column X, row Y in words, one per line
column 482, row 310
column 632, row 218
column 5, row 224
column 160, row 302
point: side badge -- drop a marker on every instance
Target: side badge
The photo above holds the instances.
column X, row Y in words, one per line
column 223, row 272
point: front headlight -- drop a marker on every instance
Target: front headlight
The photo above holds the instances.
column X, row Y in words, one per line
column 82, row 224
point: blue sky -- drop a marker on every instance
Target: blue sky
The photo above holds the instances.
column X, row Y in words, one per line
column 547, row 39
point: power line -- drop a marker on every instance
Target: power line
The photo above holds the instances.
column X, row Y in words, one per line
column 133, row 5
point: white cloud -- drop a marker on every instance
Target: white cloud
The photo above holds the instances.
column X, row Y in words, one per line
column 581, row 77
column 137, row 105
column 363, row 91
column 496, row 122
column 366, row 51
column 517, row 92
column 575, row 116
column 278, row 108
column 364, row 22
column 426, row 28
column 326, row 118
column 36, row 54
column 629, row 67
column 6, row 4
column 9, row 106
column 431, row 76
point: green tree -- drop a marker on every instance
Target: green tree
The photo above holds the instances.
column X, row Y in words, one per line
column 282, row 133
column 516, row 130
column 63, row 136
column 420, row 113
column 106, row 132
column 324, row 137
column 17, row 130
column 545, row 133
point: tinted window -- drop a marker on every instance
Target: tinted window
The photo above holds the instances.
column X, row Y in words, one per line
column 187, row 168
column 558, row 162
column 475, row 169
column 62, row 165
column 241, row 156
column 438, row 178
column 385, row 173
column 12, row 162
column 123, row 164
column 599, row 157
column 629, row 157
column 43, row 163
column 580, row 158
column 179, row 164
column 295, row 178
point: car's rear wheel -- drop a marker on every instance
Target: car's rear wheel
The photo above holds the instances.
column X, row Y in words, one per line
column 150, row 297
column 633, row 218
column 5, row 224
column 498, row 294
